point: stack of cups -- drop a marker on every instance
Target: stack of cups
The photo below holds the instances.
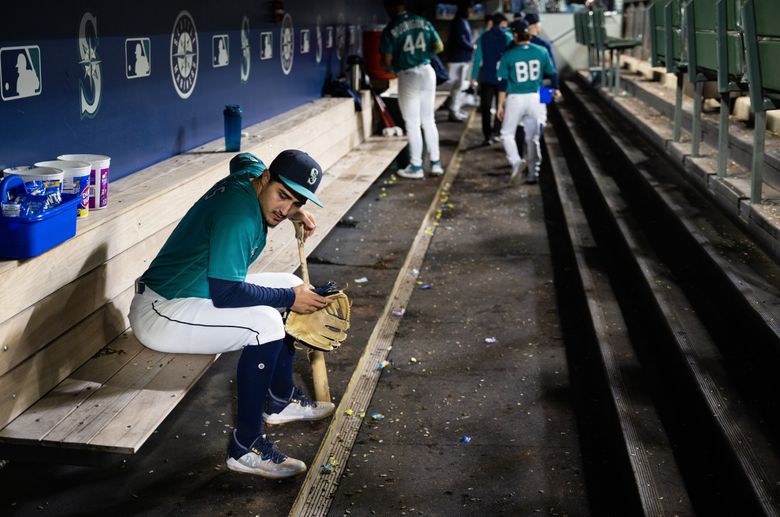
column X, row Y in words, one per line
column 75, row 180
column 98, row 177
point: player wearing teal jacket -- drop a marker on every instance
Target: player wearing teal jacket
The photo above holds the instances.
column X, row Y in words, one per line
column 522, row 68
column 198, row 297
column 406, row 46
column 410, row 39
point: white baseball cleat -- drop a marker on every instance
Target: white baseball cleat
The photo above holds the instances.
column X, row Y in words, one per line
column 297, row 408
column 262, row 459
column 517, row 169
column 436, row 169
column 412, row 172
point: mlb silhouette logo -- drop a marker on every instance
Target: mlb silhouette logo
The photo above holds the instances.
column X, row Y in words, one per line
column 20, row 72
column 220, row 54
column 329, row 37
column 266, row 45
column 305, row 41
column 138, row 58
column 351, row 35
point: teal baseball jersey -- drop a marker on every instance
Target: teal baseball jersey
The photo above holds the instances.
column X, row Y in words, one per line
column 523, row 67
column 411, row 39
column 219, row 237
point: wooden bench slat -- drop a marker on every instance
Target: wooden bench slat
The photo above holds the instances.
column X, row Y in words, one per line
column 61, row 358
column 133, row 425
column 100, row 407
column 35, row 423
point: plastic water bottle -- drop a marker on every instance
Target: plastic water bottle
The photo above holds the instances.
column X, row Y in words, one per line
column 232, row 127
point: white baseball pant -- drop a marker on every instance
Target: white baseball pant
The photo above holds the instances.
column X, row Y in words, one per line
column 458, row 75
column 195, row 326
column 416, row 96
column 522, row 108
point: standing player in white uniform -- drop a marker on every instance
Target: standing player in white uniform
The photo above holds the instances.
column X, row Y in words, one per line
column 197, row 298
column 521, row 69
column 406, row 45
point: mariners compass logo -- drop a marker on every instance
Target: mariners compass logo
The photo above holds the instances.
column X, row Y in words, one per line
column 90, row 84
column 287, row 44
column 184, row 54
column 246, row 51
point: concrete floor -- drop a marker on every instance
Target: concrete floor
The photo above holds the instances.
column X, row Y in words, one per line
column 491, row 276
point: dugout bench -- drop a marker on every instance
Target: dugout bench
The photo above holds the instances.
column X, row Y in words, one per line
column 75, row 385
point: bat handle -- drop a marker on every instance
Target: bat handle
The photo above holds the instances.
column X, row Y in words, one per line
column 317, row 358
column 301, row 253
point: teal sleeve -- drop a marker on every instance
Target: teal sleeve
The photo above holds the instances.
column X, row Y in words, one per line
column 437, row 45
column 502, row 72
column 230, row 243
column 386, row 43
column 477, row 60
column 509, row 38
column 549, row 69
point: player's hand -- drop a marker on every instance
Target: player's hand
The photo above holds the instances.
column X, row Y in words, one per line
column 473, row 84
column 500, row 113
column 556, row 94
column 307, row 219
column 306, row 300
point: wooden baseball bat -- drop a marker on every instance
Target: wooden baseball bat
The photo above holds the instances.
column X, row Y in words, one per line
column 319, row 371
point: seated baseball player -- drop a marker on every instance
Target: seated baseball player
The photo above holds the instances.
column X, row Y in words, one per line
column 197, row 298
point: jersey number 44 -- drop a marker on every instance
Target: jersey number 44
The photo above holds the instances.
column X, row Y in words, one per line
column 411, row 44
column 527, row 70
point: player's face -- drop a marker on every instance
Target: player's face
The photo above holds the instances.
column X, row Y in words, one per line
column 277, row 203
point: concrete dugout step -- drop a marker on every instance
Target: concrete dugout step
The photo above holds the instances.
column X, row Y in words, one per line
column 720, row 440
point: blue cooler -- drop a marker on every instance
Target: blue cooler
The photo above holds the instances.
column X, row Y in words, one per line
column 545, row 95
column 25, row 236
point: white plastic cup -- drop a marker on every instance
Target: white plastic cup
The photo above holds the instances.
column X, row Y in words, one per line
column 98, row 177
column 75, row 180
column 48, row 178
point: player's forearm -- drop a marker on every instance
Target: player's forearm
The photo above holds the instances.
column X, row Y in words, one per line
column 227, row 294
column 387, row 63
column 501, row 100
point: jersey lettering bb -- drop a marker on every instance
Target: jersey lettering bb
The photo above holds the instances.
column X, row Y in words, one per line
column 523, row 67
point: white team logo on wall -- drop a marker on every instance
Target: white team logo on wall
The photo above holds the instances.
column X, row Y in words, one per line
column 20, row 72
column 184, row 54
column 329, row 37
column 138, row 58
column 266, row 45
column 340, row 37
column 287, row 44
column 90, row 84
column 220, row 55
column 246, row 51
column 319, row 40
column 305, row 41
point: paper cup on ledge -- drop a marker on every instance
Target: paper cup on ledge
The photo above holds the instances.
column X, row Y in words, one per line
column 75, row 180
column 98, row 177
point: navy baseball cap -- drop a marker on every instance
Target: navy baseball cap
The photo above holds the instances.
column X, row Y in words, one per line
column 519, row 26
column 531, row 18
column 298, row 171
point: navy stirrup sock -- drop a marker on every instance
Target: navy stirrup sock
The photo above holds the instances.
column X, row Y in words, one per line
column 253, row 377
column 282, row 381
